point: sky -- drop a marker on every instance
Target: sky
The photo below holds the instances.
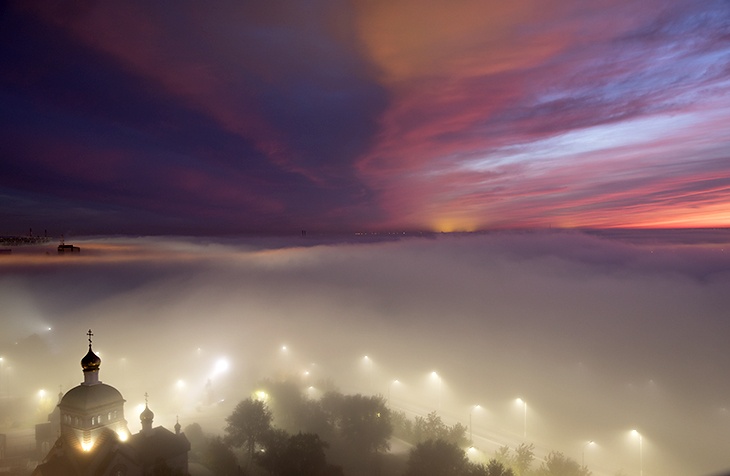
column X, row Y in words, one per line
column 599, row 332
column 171, row 118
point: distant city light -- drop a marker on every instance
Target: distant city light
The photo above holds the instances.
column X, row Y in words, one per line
column 221, row 366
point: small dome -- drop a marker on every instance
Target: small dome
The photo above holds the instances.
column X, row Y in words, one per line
column 91, row 361
column 147, row 414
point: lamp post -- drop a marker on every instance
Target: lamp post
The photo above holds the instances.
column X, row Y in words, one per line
column 471, row 433
column 369, row 369
column 524, row 405
column 583, row 457
column 641, row 451
column 436, row 376
column 396, row 381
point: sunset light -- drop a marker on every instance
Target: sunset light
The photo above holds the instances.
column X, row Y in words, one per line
column 365, row 237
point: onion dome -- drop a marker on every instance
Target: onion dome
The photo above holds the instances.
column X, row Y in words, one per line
column 146, row 415
column 91, row 361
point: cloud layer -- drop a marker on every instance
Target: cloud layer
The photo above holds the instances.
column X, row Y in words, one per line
column 363, row 115
column 599, row 333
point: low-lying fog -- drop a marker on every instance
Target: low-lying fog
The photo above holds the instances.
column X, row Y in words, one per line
column 600, row 333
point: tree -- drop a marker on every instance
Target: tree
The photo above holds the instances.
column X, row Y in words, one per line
column 313, row 419
column 503, row 455
column 249, row 422
column 365, row 423
column 557, row 464
column 332, row 403
column 305, row 455
column 274, row 445
column 429, row 428
column 522, row 460
column 433, row 428
column 492, row 468
column 457, row 435
column 402, row 426
column 219, row 458
column 437, row 458
column 298, row 455
column 286, row 400
column 495, row 468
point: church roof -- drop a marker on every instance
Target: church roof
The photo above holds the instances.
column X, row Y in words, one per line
column 88, row 397
column 157, row 443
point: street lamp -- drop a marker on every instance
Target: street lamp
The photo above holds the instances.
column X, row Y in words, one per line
column 437, row 377
column 471, row 434
column 394, row 382
column 369, row 368
column 524, row 404
column 583, row 458
column 641, row 451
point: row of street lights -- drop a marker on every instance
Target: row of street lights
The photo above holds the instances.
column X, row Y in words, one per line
column 520, row 401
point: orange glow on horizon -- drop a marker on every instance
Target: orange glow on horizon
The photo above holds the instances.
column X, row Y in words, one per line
column 453, row 225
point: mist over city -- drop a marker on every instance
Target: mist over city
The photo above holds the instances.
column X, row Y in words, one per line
column 365, row 238
column 599, row 333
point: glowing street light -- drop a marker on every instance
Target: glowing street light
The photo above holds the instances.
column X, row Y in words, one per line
column 369, row 366
column 641, row 451
column 583, row 457
column 394, row 382
column 221, row 366
column 437, row 377
column 524, row 404
column 471, row 434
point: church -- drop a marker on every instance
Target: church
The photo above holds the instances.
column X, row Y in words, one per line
column 93, row 438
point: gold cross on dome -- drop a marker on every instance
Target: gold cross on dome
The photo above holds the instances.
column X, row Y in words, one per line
column 90, row 334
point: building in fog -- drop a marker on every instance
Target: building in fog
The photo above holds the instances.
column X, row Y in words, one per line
column 93, row 438
column 47, row 433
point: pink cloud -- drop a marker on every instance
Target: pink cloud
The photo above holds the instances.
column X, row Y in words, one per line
column 467, row 144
